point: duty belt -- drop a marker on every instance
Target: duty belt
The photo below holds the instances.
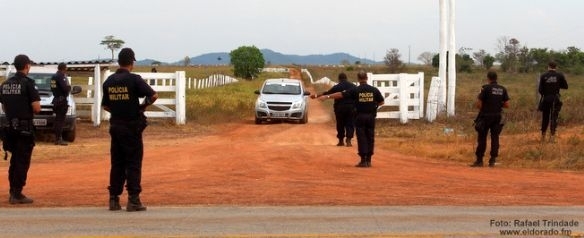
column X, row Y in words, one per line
column 21, row 124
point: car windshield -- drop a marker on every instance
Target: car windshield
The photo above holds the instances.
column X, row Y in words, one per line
column 42, row 81
column 281, row 88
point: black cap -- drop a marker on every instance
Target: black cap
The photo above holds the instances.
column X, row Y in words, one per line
column 20, row 61
column 126, row 56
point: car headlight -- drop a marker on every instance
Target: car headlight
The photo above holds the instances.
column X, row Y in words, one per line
column 261, row 104
column 297, row 105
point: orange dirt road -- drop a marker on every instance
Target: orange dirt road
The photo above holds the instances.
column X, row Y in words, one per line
column 278, row 164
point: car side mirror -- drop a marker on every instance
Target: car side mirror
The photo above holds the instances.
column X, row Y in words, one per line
column 257, row 92
column 76, row 89
column 306, row 93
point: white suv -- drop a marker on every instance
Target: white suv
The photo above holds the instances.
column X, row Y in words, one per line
column 45, row 119
column 282, row 99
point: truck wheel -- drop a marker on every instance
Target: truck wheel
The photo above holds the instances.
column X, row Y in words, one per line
column 69, row 135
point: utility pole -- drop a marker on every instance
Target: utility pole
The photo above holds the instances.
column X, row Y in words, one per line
column 447, row 46
column 409, row 54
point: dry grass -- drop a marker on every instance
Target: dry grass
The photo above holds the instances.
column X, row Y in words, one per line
column 520, row 140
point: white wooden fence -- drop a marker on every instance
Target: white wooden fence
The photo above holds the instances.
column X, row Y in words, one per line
column 325, row 80
column 211, row 81
column 173, row 83
column 406, row 91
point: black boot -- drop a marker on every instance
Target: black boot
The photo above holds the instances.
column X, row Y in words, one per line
column 477, row 163
column 340, row 142
column 16, row 197
column 114, row 203
column 348, row 142
column 492, row 162
column 134, row 204
column 362, row 163
column 368, row 161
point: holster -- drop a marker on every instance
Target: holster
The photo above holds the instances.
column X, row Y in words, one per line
column 8, row 139
column 59, row 101
column 24, row 127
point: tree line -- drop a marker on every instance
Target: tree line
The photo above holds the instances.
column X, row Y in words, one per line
column 513, row 57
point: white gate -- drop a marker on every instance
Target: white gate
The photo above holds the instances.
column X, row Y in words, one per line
column 173, row 83
column 405, row 91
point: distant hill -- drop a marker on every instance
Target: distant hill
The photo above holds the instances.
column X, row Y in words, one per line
column 271, row 57
column 148, row 62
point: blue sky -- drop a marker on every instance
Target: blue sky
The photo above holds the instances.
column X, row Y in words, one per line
column 169, row 30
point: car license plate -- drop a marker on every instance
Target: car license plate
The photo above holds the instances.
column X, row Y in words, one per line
column 39, row 122
column 278, row 114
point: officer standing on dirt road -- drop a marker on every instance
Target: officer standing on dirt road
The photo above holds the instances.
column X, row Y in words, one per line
column 490, row 102
column 121, row 93
column 344, row 111
column 20, row 101
column 61, row 89
column 367, row 99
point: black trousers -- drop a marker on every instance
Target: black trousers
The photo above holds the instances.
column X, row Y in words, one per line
column 22, row 147
column 365, row 127
column 60, row 113
column 493, row 125
column 550, row 110
column 127, row 150
column 345, row 114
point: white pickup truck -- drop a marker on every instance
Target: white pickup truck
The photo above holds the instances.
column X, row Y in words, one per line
column 45, row 119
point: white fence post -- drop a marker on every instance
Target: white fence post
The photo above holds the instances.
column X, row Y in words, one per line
column 433, row 101
column 421, row 94
column 404, row 98
column 180, row 97
column 97, row 94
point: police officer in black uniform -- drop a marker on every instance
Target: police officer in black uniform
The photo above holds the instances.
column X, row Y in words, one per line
column 61, row 89
column 20, row 100
column 550, row 104
column 367, row 99
column 344, row 111
column 121, row 93
column 491, row 101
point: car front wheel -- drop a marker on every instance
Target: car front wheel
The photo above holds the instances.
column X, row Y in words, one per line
column 69, row 135
column 304, row 119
